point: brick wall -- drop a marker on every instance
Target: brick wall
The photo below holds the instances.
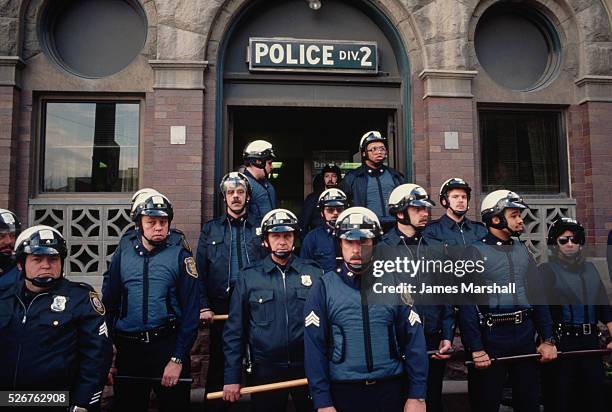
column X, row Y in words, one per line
column 589, row 138
column 176, row 170
column 450, row 114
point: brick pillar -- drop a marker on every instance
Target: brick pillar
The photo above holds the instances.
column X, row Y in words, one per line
column 9, row 119
column 449, row 129
column 175, row 167
column 590, row 135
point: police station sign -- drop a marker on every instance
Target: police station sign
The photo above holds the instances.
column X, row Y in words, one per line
column 303, row 55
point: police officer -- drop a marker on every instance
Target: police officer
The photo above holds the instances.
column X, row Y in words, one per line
column 10, row 227
column 52, row 331
column 358, row 355
column 371, row 184
column 320, row 244
column 266, row 314
column 151, row 293
column 578, row 301
column 454, row 229
column 505, row 324
column 410, row 204
column 329, row 178
column 227, row 244
column 258, row 156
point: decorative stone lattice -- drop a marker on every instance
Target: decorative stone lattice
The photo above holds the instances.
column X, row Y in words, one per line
column 92, row 232
column 537, row 220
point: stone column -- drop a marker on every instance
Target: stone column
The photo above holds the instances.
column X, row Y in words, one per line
column 10, row 82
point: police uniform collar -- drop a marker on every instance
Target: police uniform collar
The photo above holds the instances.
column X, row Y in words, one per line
column 236, row 220
column 269, row 265
column 141, row 250
column 450, row 223
column 408, row 239
column 576, row 265
column 491, row 239
column 375, row 171
column 248, row 174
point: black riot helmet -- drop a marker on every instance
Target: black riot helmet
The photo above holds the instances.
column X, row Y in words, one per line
column 450, row 184
column 332, row 168
column 562, row 224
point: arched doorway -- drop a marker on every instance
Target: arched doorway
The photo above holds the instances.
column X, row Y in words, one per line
column 312, row 114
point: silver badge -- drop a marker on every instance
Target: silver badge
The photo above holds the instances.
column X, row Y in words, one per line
column 59, row 304
column 306, row 280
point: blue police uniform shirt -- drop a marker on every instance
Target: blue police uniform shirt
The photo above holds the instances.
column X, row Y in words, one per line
column 379, row 188
column 238, row 254
column 504, row 259
column 266, row 314
column 344, row 343
column 144, row 290
column 320, row 246
column 263, row 198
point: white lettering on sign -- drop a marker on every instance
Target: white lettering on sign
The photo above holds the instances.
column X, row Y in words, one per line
column 327, row 55
column 277, row 55
column 261, row 49
column 309, row 51
column 324, row 56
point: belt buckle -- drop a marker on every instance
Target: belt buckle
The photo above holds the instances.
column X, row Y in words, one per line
column 518, row 318
column 586, row 329
column 368, row 382
column 146, row 337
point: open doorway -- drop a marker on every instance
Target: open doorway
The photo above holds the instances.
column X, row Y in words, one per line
column 305, row 139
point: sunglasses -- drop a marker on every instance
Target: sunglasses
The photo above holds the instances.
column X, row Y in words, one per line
column 338, row 209
column 564, row 239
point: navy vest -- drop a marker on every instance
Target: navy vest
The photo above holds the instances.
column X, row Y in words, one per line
column 504, row 265
column 348, row 361
column 149, row 298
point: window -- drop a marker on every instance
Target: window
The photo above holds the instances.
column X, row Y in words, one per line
column 517, row 46
column 90, row 146
column 521, row 151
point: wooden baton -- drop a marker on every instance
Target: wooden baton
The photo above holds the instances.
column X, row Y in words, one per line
column 262, row 388
column 220, row 317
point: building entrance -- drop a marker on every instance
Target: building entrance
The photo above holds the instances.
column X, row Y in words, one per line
column 305, row 139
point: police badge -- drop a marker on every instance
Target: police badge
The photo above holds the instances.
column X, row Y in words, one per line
column 59, row 303
column 306, row 280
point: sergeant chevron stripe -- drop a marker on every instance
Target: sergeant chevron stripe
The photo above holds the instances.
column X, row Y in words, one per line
column 413, row 318
column 311, row 319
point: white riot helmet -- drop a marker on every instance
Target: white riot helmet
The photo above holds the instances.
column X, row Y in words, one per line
column 257, row 153
column 407, row 195
column 278, row 221
column 495, row 203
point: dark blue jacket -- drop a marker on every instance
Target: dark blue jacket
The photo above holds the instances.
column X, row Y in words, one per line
column 609, row 255
column 9, row 277
column 355, row 184
column 266, row 312
column 437, row 318
column 320, row 246
column 59, row 341
column 318, row 338
column 452, row 235
column 213, row 255
column 496, row 340
column 183, row 291
column 263, row 198
column 311, row 215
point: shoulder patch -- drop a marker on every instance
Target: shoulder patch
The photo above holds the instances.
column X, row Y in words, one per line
column 96, row 303
column 190, row 267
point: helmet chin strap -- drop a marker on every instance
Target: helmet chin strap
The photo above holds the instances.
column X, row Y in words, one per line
column 153, row 243
column 406, row 221
column 282, row 255
column 459, row 213
column 43, row 281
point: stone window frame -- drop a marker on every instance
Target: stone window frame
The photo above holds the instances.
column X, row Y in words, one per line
column 36, row 188
column 563, row 155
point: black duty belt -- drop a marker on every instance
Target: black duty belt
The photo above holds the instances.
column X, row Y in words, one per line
column 369, row 382
column 584, row 329
column 148, row 336
column 516, row 318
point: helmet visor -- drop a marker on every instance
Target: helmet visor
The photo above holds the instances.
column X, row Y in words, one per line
column 357, row 234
